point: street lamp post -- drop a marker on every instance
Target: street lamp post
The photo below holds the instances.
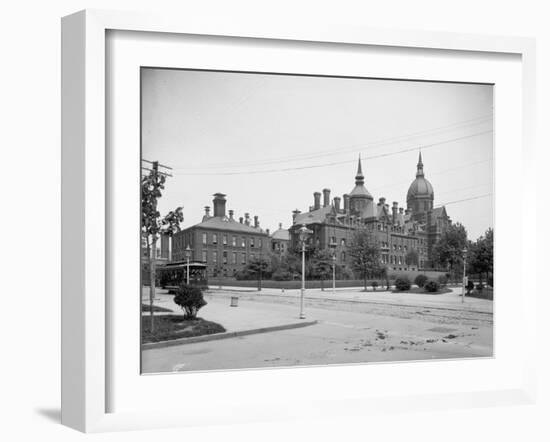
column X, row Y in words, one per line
column 188, row 255
column 303, row 232
column 464, row 252
column 334, row 273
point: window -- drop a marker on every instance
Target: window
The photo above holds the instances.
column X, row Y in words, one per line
column 204, row 238
column 204, row 256
column 243, row 242
column 379, row 226
column 214, row 238
column 343, row 242
column 343, row 256
column 251, row 242
column 234, row 241
column 214, row 257
column 399, row 261
column 234, row 258
column 243, row 260
column 252, row 256
column 225, row 257
column 260, row 243
column 224, row 240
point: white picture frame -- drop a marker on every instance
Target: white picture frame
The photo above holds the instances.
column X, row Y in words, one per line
column 86, row 317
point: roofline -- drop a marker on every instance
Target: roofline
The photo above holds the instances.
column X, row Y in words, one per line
column 198, row 226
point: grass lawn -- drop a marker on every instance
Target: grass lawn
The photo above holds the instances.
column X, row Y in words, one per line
column 423, row 291
column 146, row 309
column 486, row 293
column 168, row 327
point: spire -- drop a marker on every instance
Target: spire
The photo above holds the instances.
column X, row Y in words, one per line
column 419, row 166
column 359, row 178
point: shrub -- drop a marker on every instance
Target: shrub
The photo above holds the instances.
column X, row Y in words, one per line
column 421, row 280
column 282, row 275
column 431, row 286
column 190, row 299
column 244, row 275
column 402, row 283
column 442, row 280
column 374, row 284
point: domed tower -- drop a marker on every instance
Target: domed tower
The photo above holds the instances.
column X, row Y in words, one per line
column 420, row 197
column 359, row 197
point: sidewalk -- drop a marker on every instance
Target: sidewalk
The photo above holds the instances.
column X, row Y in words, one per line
column 450, row 301
column 247, row 318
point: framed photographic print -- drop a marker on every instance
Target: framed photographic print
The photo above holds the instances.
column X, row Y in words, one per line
column 288, row 222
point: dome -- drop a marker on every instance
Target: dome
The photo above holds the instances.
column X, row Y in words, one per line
column 420, row 187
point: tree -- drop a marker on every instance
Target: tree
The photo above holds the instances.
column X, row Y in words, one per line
column 321, row 266
column 152, row 225
column 289, row 264
column 260, row 268
column 364, row 251
column 411, row 258
column 449, row 249
column 480, row 258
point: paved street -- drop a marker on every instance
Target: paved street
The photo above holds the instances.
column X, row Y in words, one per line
column 354, row 327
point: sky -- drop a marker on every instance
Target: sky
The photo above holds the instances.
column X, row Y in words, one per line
column 269, row 141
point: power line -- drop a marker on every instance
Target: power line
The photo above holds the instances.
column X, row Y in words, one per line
column 353, row 148
column 465, row 199
column 335, row 163
column 156, row 171
column 158, row 164
column 438, row 172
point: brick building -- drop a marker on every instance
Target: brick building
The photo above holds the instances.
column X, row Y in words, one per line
column 398, row 231
column 224, row 244
column 280, row 240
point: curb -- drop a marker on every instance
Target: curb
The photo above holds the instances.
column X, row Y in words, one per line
column 219, row 336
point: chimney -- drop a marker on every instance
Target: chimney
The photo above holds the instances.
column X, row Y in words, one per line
column 267, row 231
column 394, row 211
column 346, row 203
column 241, row 219
column 247, row 219
column 219, row 204
column 280, row 226
column 231, row 212
column 207, row 211
column 295, row 213
column 337, row 203
column 256, row 222
column 326, row 197
column 382, row 201
column 316, row 200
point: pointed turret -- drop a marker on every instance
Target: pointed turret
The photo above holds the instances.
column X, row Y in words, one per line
column 359, row 197
column 419, row 166
column 359, row 178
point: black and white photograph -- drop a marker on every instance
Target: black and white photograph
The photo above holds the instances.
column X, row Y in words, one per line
column 296, row 220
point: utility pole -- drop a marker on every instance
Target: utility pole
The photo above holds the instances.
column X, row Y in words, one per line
column 464, row 253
